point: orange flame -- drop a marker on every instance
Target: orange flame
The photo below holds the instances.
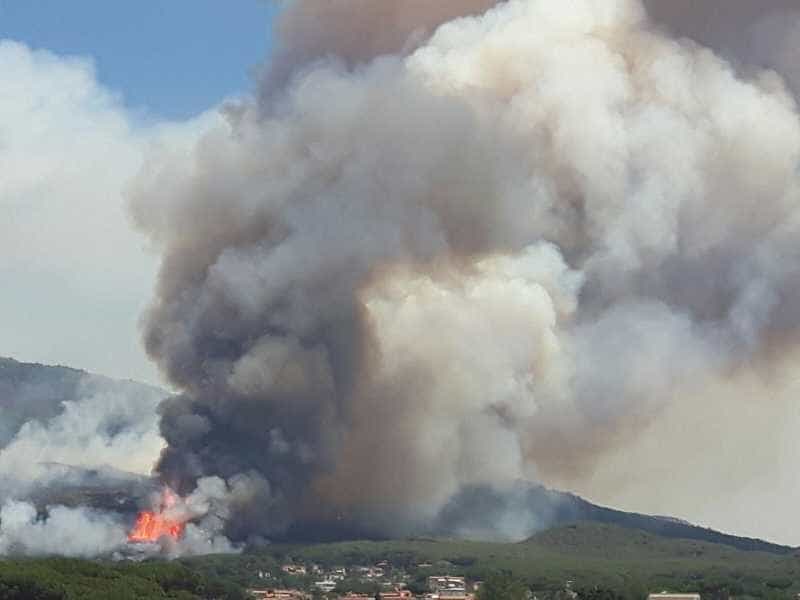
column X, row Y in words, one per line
column 151, row 526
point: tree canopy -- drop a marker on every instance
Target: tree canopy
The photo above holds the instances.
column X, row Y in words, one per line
column 502, row 585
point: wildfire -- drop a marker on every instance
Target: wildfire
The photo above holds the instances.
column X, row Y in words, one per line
column 152, row 525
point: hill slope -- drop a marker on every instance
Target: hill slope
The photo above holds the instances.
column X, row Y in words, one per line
column 628, row 560
column 574, row 508
column 34, row 392
column 544, row 508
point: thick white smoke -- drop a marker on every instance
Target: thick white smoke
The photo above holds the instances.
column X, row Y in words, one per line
column 59, row 431
column 206, row 511
column 499, row 250
column 98, row 447
column 68, row 437
column 79, row 532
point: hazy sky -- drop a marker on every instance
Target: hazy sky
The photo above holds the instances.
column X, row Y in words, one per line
column 86, row 87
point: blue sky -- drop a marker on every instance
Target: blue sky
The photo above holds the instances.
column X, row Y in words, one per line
column 169, row 58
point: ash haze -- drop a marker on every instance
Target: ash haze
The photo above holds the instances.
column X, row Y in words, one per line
column 455, row 245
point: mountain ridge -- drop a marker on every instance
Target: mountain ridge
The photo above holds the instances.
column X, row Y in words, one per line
column 666, row 526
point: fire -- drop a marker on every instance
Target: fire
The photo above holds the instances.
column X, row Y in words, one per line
column 152, row 525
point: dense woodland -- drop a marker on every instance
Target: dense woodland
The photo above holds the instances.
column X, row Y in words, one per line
column 65, row 579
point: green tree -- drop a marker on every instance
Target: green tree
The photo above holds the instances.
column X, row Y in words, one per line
column 502, row 585
column 598, row 593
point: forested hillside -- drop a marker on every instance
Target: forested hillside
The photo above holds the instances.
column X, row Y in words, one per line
column 62, row 579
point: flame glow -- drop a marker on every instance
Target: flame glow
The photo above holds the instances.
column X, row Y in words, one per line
column 152, row 525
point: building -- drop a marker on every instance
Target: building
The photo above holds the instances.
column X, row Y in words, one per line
column 326, row 585
column 437, row 583
column 446, row 587
column 278, row 594
column 444, row 583
column 294, row 569
column 371, row 572
column 396, row 595
column 668, row 596
column 453, row 594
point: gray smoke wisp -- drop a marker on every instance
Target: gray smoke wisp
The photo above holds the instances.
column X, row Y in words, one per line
column 752, row 34
column 459, row 244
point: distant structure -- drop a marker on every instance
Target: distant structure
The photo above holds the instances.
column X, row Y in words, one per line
column 278, row 594
column 326, row 585
column 294, row 569
column 669, row 596
column 445, row 587
column 375, row 572
column 396, row 595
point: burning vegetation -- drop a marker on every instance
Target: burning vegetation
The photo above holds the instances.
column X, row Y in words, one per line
column 152, row 525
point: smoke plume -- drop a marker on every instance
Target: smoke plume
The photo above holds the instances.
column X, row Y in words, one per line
column 312, row 31
column 454, row 245
column 752, row 34
column 58, row 422
column 79, row 532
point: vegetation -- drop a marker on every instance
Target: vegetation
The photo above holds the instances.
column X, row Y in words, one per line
column 602, row 562
column 503, row 586
column 67, row 579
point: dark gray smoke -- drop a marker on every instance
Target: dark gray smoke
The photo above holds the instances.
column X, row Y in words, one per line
column 429, row 260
